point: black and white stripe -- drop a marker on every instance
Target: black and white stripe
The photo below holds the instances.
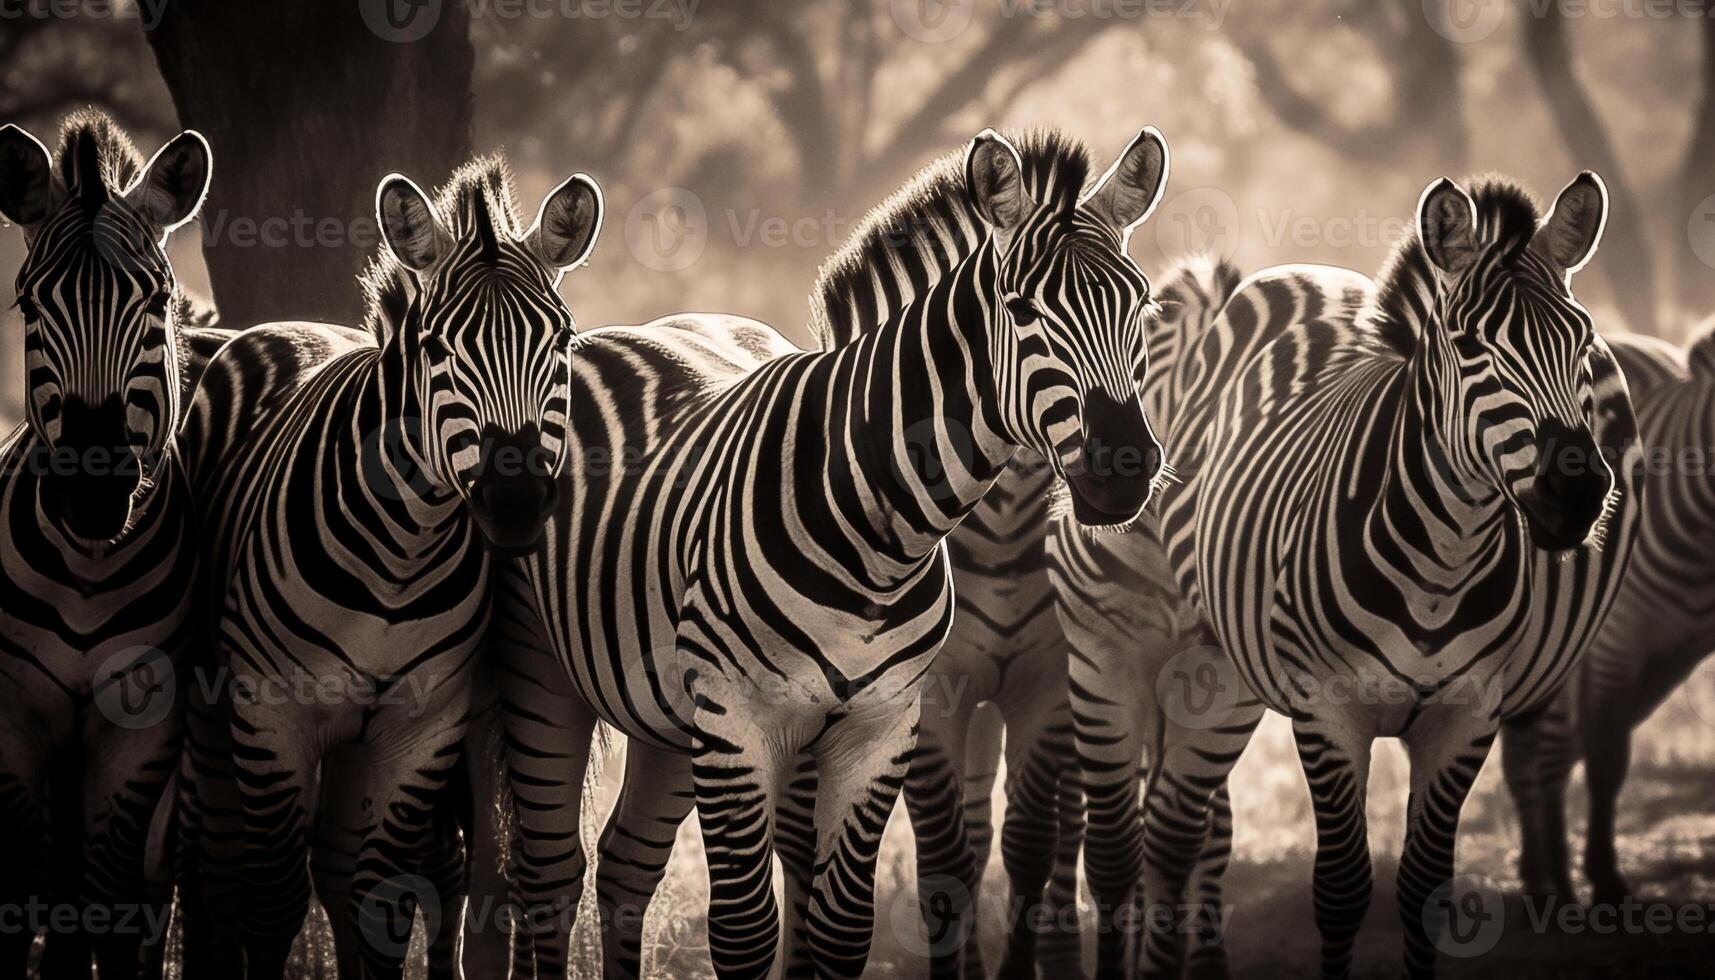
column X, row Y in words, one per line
column 355, row 484
column 752, row 585
column 96, row 566
column 1655, row 636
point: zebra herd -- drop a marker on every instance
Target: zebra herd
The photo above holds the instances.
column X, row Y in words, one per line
column 313, row 611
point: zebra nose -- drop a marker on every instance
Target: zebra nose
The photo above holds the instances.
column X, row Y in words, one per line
column 514, row 490
column 1117, row 464
column 1570, row 489
column 91, row 471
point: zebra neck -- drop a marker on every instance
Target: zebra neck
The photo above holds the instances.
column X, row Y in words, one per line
column 922, row 439
column 386, row 467
column 1441, row 509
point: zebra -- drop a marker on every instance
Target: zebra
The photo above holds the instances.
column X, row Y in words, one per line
column 1655, row 636
column 358, row 489
column 746, row 575
column 1131, row 639
column 1406, row 510
column 97, row 559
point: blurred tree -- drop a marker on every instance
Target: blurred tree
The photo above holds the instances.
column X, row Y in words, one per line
column 1695, row 280
column 1626, row 256
column 52, row 65
column 307, row 106
column 1421, row 123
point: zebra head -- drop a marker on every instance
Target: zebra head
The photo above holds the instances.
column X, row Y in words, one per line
column 1509, row 351
column 1068, row 313
column 488, row 338
column 97, row 295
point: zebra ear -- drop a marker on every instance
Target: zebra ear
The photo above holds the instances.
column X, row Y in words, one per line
column 1567, row 237
column 565, row 230
column 1447, row 227
column 994, row 177
column 174, row 183
column 409, row 224
column 26, row 177
column 1130, row 190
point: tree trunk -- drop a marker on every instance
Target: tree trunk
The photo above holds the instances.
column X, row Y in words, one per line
column 307, row 106
column 1696, row 272
column 1625, row 254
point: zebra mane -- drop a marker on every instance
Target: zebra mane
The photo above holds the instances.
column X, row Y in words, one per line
column 485, row 181
column 1506, row 219
column 932, row 216
column 91, row 137
column 1700, row 353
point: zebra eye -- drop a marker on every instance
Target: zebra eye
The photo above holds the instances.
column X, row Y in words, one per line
column 157, row 307
column 27, row 308
column 1023, row 311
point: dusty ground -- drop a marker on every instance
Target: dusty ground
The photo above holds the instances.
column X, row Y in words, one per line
column 1667, row 848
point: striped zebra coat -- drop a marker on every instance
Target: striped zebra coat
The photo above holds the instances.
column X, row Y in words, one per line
column 354, row 485
column 747, row 570
column 1657, row 633
column 96, row 563
column 1406, row 511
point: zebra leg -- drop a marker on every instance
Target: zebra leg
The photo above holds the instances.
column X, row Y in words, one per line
column 24, row 822
column 949, row 874
column 795, row 843
column 635, row 847
column 1337, row 766
column 1107, row 691
column 983, row 742
column 127, row 770
column 737, row 779
column 340, row 823
column 1061, row 952
column 412, row 758
column 1208, row 958
column 276, row 763
column 210, row 847
column 1185, row 807
column 446, row 866
column 861, row 761
column 1536, row 759
column 488, row 915
column 1444, row 765
column 1038, row 751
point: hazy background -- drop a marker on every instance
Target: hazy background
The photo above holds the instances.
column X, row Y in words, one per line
column 739, row 141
